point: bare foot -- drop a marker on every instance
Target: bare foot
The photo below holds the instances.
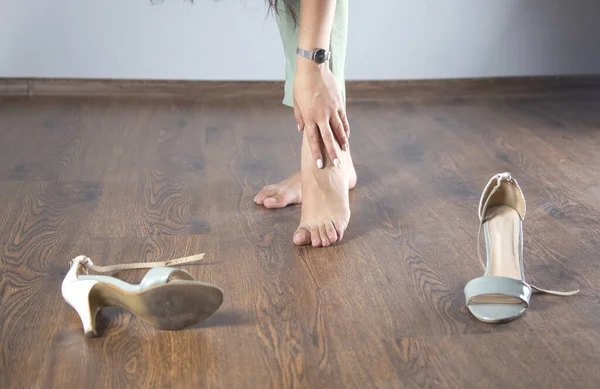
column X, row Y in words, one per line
column 282, row 194
column 325, row 206
column 287, row 192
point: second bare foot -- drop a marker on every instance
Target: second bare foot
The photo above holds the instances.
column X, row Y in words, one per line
column 282, row 194
column 288, row 192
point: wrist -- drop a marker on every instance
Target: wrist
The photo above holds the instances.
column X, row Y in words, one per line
column 305, row 65
column 308, row 60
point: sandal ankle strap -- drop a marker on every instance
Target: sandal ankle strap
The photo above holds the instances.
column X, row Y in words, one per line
column 87, row 264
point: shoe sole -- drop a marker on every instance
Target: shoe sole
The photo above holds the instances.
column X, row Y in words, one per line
column 172, row 306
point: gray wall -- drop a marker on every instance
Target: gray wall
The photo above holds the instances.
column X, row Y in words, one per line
column 234, row 40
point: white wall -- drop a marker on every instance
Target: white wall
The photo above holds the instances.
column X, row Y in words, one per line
column 235, row 40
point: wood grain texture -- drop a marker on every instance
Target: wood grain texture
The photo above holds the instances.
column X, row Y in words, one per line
column 124, row 180
column 357, row 90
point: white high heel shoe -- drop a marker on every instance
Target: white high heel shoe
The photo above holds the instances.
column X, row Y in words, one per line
column 167, row 298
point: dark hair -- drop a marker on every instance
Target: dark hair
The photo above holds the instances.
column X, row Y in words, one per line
column 273, row 7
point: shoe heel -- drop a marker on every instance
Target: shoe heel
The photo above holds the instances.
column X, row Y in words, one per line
column 79, row 296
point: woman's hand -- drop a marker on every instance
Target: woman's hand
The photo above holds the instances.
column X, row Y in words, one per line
column 319, row 110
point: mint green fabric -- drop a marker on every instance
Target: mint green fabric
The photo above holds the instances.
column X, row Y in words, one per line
column 289, row 36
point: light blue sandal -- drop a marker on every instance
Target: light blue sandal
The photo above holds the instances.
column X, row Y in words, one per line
column 167, row 297
column 502, row 294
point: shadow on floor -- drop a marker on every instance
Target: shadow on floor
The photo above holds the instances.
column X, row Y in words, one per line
column 229, row 318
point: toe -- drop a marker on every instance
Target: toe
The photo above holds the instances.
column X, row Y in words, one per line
column 339, row 229
column 276, row 201
column 331, row 233
column 263, row 194
column 324, row 238
column 316, row 237
column 302, row 236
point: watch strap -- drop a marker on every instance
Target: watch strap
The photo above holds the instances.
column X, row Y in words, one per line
column 312, row 54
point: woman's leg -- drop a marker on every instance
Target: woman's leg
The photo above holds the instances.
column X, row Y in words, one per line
column 323, row 192
column 289, row 191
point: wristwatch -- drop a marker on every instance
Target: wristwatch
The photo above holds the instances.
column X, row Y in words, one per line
column 317, row 55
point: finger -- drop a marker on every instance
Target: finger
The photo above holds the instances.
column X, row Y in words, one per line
column 344, row 119
column 329, row 141
column 299, row 119
column 338, row 130
column 313, row 137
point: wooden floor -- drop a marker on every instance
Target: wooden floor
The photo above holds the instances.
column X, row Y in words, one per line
column 126, row 180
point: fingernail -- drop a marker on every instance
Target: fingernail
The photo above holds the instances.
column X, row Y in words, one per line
column 298, row 127
column 336, row 162
column 348, row 136
column 345, row 147
column 320, row 163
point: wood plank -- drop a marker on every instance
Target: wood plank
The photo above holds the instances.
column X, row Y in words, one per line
column 136, row 179
column 357, row 90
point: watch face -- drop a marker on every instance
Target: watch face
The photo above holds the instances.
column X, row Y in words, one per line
column 320, row 56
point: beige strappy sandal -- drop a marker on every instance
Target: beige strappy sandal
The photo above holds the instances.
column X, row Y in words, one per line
column 502, row 294
column 167, row 298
